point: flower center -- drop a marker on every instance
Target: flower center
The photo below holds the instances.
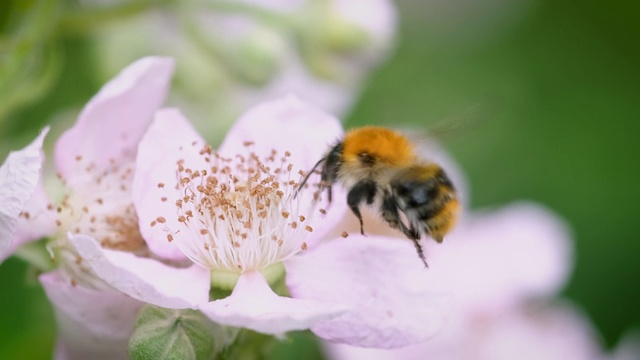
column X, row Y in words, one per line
column 99, row 205
column 239, row 214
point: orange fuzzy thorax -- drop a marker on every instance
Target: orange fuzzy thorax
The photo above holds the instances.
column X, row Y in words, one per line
column 386, row 146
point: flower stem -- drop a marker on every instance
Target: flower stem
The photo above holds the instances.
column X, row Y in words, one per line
column 248, row 345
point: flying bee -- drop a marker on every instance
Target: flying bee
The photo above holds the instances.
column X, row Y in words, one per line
column 379, row 167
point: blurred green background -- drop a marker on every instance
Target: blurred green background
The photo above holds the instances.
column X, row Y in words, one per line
column 552, row 87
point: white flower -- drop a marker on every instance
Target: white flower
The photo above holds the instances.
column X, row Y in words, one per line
column 233, row 212
column 95, row 160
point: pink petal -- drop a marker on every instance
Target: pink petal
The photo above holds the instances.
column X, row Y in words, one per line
column 170, row 138
column 113, row 122
column 369, row 274
column 285, row 124
column 255, row 306
column 328, row 225
column 628, row 347
column 554, row 333
column 145, row 279
column 499, row 258
column 19, row 177
column 92, row 324
column 291, row 124
column 41, row 220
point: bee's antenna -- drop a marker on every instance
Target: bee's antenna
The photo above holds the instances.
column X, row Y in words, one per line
column 306, row 177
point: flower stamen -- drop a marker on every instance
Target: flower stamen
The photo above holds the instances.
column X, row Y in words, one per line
column 235, row 212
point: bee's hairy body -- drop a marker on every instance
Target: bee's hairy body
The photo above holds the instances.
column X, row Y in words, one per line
column 379, row 166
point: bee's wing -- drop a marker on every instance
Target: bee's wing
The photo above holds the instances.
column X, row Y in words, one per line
column 468, row 121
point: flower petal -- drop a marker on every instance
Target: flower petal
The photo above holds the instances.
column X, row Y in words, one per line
column 553, row 333
column 41, row 220
column 19, row 178
column 291, row 124
column 370, row 275
column 285, row 124
column 113, row 122
column 145, row 279
column 500, row 258
column 255, row 306
column 628, row 347
column 169, row 139
column 92, row 324
column 521, row 333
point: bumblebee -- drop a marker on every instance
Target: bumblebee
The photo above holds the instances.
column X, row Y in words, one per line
column 379, row 167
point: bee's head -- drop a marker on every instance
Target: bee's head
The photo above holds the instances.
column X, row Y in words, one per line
column 329, row 166
column 332, row 163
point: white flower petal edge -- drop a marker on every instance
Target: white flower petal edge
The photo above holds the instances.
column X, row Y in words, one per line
column 19, row 178
column 93, row 324
column 255, row 306
column 168, row 139
column 113, row 122
column 369, row 274
column 145, row 279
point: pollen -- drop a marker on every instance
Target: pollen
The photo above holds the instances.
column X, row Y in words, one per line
column 232, row 211
column 110, row 219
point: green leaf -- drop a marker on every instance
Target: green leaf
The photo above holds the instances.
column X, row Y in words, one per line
column 171, row 334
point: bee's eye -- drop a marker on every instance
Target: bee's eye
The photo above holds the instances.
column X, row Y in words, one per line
column 366, row 159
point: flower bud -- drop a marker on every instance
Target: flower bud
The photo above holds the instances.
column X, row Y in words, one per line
column 171, row 334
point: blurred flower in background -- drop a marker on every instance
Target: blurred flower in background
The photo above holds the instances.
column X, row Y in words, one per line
column 235, row 54
column 552, row 72
column 230, row 54
column 532, row 331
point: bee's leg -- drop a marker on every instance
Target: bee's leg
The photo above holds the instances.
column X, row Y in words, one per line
column 389, row 211
column 416, row 242
column 363, row 191
column 391, row 214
